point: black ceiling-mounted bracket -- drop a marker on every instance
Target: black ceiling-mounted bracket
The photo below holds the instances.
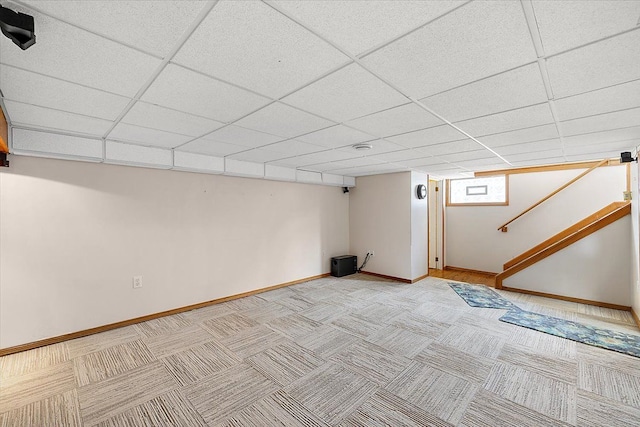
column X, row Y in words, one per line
column 19, row 27
column 4, row 161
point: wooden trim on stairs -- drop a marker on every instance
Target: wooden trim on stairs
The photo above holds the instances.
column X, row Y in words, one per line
column 503, row 227
column 564, row 233
column 571, row 299
column 598, row 224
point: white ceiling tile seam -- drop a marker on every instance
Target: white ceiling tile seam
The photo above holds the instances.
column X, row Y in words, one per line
column 181, row 41
column 415, row 101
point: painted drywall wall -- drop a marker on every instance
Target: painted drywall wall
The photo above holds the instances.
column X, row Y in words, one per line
column 472, row 238
column 73, row 234
column 380, row 220
column 596, row 268
column 386, row 217
column 419, row 227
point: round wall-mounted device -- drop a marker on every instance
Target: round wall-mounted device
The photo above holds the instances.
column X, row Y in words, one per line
column 421, row 191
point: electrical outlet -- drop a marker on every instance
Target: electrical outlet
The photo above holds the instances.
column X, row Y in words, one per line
column 372, row 253
column 137, row 282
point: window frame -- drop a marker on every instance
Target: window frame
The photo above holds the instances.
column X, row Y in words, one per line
column 506, row 190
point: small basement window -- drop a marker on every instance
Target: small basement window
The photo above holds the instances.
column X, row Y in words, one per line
column 484, row 191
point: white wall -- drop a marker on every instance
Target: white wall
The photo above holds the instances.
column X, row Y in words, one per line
column 386, row 217
column 419, row 230
column 596, row 268
column 73, row 234
column 380, row 220
column 472, row 238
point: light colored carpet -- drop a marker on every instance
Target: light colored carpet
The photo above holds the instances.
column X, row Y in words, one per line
column 353, row 351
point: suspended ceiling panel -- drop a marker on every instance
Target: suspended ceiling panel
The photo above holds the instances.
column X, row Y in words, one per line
column 473, row 42
column 405, row 118
column 502, row 92
column 197, row 94
column 294, row 84
column 358, row 26
column 250, row 44
column 69, row 53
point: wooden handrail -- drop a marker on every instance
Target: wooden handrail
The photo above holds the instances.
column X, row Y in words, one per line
column 619, row 212
column 564, row 233
column 503, row 227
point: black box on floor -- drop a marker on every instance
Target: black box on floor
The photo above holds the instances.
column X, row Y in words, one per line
column 344, row 265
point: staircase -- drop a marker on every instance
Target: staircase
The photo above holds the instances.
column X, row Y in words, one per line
column 576, row 232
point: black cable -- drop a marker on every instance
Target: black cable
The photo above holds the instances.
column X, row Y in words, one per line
column 366, row 259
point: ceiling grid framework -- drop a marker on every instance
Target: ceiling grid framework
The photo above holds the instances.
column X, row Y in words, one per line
column 283, row 89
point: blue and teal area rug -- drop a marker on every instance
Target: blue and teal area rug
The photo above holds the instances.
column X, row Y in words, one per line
column 482, row 296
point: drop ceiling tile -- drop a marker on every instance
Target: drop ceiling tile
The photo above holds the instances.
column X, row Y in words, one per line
column 36, row 89
column 424, row 161
column 516, row 88
column 118, row 152
column 625, row 134
column 520, row 118
column 477, row 164
column 605, row 63
column 613, row 98
column 540, row 162
column 468, row 155
column 536, row 133
column 56, row 145
column 491, row 167
column 293, row 147
column 164, row 21
column 447, row 148
column 336, row 136
column 378, row 146
column 69, row 53
column 320, row 157
column 567, row 24
column 604, row 150
column 399, row 156
column 529, row 147
column 323, row 167
column 370, row 170
column 475, row 41
column 346, row 94
column 600, row 122
column 361, row 161
column 434, row 135
column 397, row 120
column 360, row 25
column 451, row 173
column 237, row 135
column 212, row 148
column 540, row 156
column 160, row 118
column 282, row 120
column 242, row 168
column 46, row 118
column 146, row 136
column 183, row 160
column 261, row 49
column 258, row 155
column 193, row 93
column 442, row 167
